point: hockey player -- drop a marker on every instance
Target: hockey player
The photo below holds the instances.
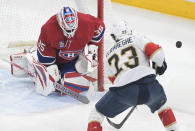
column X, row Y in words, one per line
column 134, row 80
column 68, row 42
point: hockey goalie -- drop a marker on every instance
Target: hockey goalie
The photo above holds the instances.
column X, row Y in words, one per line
column 66, row 50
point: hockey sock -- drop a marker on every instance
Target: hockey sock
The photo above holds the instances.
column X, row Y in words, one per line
column 168, row 119
column 94, row 126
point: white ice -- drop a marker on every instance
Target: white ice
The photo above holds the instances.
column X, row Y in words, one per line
column 21, row 109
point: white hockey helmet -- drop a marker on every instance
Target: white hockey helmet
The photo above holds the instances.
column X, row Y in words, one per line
column 68, row 21
column 120, row 30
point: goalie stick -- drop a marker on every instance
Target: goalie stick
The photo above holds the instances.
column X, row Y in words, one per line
column 118, row 126
column 58, row 86
column 71, row 93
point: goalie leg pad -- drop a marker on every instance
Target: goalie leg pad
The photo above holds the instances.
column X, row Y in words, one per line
column 21, row 60
column 77, row 84
column 45, row 78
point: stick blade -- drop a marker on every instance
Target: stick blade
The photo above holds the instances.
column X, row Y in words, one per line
column 117, row 126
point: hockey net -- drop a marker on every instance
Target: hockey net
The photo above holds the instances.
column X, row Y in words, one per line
column 21, row 21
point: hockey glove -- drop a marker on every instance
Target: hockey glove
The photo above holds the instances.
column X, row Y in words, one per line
column 160, row 70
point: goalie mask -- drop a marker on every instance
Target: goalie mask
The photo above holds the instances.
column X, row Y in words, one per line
column 120, row 30
column 68, row 21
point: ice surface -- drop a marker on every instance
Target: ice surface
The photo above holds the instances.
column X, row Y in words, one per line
column 21, row 109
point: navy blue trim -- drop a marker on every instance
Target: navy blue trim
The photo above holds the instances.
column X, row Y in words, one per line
column 99, row 37
column 45, row 59
column 76, row 87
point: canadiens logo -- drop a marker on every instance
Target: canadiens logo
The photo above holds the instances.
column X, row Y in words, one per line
column 69, row 55
column 61, row 44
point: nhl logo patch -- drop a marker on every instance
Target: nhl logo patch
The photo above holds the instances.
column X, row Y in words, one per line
column 61, row 44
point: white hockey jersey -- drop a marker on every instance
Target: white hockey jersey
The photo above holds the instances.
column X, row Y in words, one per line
column 129, row 59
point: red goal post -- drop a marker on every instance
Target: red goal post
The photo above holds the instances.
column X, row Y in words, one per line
column 101, row 50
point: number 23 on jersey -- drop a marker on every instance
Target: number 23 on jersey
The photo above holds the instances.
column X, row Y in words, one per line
column 125, row 59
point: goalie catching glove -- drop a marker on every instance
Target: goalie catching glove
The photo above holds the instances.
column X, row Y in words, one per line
column 87, row 61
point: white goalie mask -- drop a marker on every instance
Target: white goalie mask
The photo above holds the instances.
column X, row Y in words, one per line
column 68, row 21
column 120, row 31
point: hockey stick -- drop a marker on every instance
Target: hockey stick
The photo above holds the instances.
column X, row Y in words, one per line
column 57, row 86
column 71, row 93
column 118, row 126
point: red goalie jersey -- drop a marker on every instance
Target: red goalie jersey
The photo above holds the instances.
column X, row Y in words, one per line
column 55, row 47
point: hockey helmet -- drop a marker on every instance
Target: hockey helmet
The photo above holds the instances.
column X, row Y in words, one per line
column 68, row 21
column 120, row 30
